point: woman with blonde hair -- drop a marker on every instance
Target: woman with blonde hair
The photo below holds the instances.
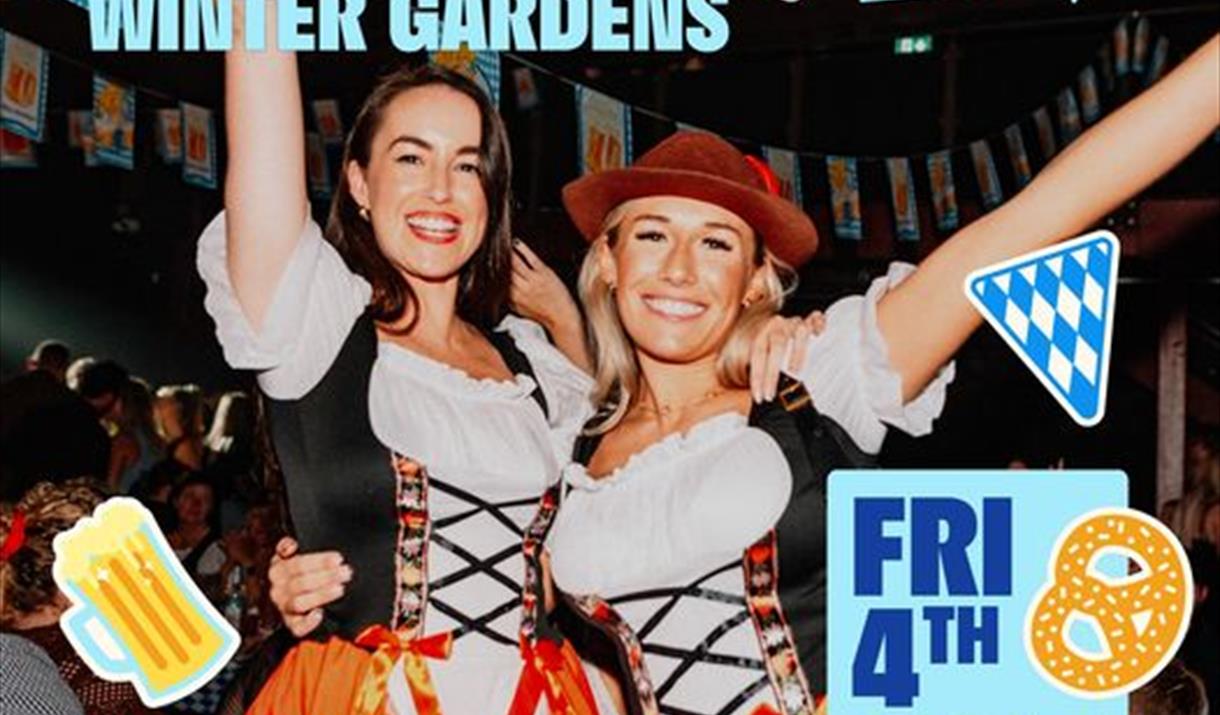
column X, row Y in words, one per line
column 693, row 474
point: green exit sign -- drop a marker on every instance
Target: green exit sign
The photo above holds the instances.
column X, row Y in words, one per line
column 913, row 45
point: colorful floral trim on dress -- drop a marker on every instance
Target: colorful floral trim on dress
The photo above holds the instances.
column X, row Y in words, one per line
column 531, row 550
column 411, row 557
column 761, row 570
column 603, row 616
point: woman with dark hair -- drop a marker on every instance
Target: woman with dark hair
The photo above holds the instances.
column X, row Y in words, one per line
column 416, row 422
column 194, row 540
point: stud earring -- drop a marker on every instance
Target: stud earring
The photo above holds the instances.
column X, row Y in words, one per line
column 364, row 214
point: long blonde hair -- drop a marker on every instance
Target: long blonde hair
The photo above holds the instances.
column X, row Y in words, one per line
column 617, row 375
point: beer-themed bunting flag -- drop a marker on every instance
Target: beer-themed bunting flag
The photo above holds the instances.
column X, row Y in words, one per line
column 316, row 166
column 1122, row 49
column 1069, row 116
column 1090, row 100
column 526, row 88
column 1139, row 47
column 1021, row 171
column 944, row 194
column 88, row 141
column 23, row 101
column 199, row 160
column 902, row 196
column 169, row 135
column 985, row 173
column 787, row 169
column 1160, row 55
column 327, row 120
column 1046, row 133
column 845, row 196
column 16, row 151
column 604, row 131
column 114, row 122
column 482, row 65
column 79, row 122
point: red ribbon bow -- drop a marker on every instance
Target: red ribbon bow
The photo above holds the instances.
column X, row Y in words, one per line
column 554, row 671
column 16, row 536
column 388, row 646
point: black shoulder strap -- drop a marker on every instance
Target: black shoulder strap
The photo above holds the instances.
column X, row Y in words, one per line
column 586, row 445
column 517, row 363
column 793, row 407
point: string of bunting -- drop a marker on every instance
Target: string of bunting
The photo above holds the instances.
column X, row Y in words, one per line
column 186, row 134
column 1075, row 106
column 105, row 132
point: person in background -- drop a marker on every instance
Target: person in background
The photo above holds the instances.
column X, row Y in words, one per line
column 1176, row 691
column 30, row 684
column 178, row 410
column 47, row 432
column 31, row 603
column 248, row 552
column 231, row 459
column 1203, row 461
column 1192, row 514
column 193, row 539
column 1199, row 651
column 52, row 357
column 101, row 383
column 155, row 487
column 136, row 446
column 77, row 368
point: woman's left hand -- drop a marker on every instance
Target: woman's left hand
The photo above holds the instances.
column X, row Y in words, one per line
column 780, row 345
column 537, row 293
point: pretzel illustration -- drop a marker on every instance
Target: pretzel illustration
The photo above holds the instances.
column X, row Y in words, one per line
column 1141, row 618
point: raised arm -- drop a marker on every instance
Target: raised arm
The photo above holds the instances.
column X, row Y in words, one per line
column 265, row 200
column 927, row 318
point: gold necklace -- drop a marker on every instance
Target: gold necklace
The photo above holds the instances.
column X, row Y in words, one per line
column 666, row 410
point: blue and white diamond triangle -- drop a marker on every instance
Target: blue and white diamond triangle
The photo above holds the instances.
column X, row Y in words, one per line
column 1055, row 308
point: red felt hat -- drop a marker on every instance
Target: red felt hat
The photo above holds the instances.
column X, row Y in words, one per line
column 702, row 166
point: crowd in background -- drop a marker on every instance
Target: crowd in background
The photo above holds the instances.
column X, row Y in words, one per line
column 77, row 431
column 74, row 432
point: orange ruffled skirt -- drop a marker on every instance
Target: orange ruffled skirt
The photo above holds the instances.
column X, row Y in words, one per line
column 315, row 678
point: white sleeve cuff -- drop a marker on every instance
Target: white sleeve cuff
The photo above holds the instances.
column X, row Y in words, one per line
column 848, row 372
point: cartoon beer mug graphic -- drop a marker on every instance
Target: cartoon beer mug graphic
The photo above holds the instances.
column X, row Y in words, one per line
column 136, row 615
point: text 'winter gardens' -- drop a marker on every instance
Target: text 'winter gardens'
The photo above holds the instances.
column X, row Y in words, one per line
column 332, row 25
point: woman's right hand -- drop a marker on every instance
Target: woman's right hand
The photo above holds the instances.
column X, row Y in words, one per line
column 301, row 584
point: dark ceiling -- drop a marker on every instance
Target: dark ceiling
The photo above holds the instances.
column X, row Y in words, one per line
column 816, row 75
column 811, row 74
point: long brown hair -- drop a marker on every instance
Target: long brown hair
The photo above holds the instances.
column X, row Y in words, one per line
column 26, row 582
column 483, row 281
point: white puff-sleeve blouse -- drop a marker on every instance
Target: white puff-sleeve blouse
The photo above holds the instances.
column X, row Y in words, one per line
column 694, row 501
column 418, row 406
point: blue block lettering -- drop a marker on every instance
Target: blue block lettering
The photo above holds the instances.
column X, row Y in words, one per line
column 897, row 682
column 929, row 553
column 874, row 548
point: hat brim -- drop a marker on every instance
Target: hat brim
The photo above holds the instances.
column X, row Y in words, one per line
column 786, row 230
